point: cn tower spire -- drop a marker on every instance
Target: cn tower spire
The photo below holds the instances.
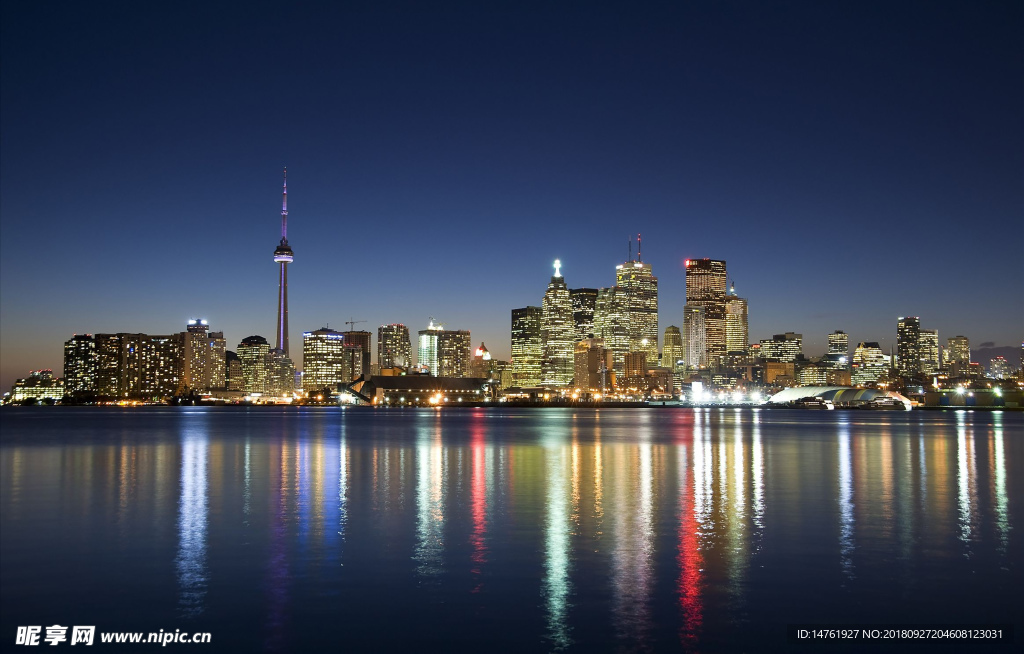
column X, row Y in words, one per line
column 284, row 209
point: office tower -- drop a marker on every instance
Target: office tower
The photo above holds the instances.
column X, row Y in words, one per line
column 695, row 335
column 635, row 279
column 108, row 365
column 928, row 351
column 705, row 288
column 453, row 353
column 427, row 350
column 592, row 366
column 557, row 335
column 323, row 359
column 202, row 352
column 283, row 255
column 610, row 324
column 527, row 348
column 999, row 368
column 908, row 351
column 394, row 349
column 838, row 343
column 782, row 347
column 80, row 364
column 254, row 354
column 282, row 374
column 958, row 351
column 480, row 363
column 736, row 327
column 869, row 363
column 362, row 338
column 672, row 348
column 233, row 377
column 584, row 300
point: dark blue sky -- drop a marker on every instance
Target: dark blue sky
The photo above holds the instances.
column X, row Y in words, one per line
column 853, row 162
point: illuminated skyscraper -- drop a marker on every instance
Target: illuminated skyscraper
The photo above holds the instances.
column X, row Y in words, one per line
column 557, row 333
column 283, row 255
column 908, row 349
column 584, row 300
column 427, row 350
column 635, row 279
column 453, row 355
column 928, row 351
column 527, row 348
column 323, row 359
column 138, row 366
column 869, row 364
column 672, row 348
column 254, row 353
column 233, row 375
column 695, row 334
column 705, row 287
column 958, row 351
column 80, row 364
column 202, row 352
column 611, row 325
column 394, row 350
column 736, row 329
column 838, row 343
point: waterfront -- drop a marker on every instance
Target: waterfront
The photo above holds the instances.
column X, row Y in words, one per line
column 286, row 529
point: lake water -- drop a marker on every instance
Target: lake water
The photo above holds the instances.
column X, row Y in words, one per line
column 526, row 530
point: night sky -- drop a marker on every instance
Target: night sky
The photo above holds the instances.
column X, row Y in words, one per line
column 852, row 162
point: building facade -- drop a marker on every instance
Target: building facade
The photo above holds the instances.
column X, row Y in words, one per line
column 584, row 301
column 323, row 359
column 527, row 347
column 80, row 364
column 394, row 348
column 611, row 324
column 908, row 349
column 453, row 353
column 705, row 287
column 928, row 351
column 636, row 280
column 557, row 333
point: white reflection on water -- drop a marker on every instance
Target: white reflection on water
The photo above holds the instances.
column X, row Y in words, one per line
column 846, row 518
column 632, row 556
column 999, row 481
column 757, row 463
column 192, row 516
column 430, row 464
column 556, row 585
column 247, row 490
column 965, row 477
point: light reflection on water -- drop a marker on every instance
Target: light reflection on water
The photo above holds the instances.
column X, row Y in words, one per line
column 621, row 529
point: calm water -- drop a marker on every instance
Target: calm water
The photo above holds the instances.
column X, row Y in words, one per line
column 495, row 530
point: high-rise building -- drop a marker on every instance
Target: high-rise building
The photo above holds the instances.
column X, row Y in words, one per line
column 672, row 348
column 592, row 366
column 323, row 359
column 453, row 353
column 928, row 351
column 39, row 385
column 233, row 376
column 282, row 374
column 869, row 364
column 527, row 347
column 557, row 333
column 284, row 256
column 254, row 355
column 908, row 349
column 394, row 349
column 138, row 366
column 427, row 348
column 361, row 338
column 999, row 368
column 635, row 279
column 839, row 343
column 352, row 366
column 80, row 364
column 736, row 324
column 705, row 287
column 611, row 324
column 635, row 368
column 202, row 351
column 958, row 350
column 695, row 335
column 782, row 347
column 584, row 301
column 480, row 363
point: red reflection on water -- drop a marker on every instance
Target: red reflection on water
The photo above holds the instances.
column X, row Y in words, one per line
column 478, row 502
column 688, row 585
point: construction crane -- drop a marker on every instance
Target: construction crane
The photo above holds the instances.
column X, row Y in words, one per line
column 353, row 323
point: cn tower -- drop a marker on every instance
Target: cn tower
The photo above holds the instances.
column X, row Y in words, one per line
column 283, row 256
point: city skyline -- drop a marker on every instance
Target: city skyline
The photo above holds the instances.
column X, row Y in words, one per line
column 138, row 211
